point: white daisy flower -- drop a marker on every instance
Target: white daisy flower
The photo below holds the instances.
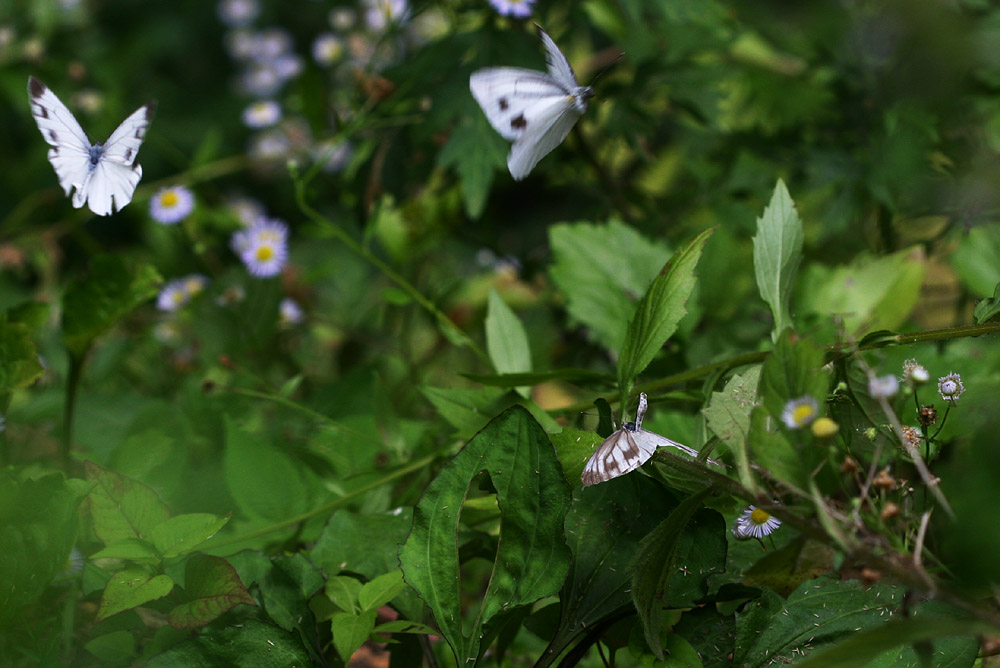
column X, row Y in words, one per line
column 800, row 412
column 171, row 205
column 755, row 523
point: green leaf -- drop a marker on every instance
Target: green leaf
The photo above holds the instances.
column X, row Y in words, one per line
column 466, row 409
column 93, row 305
column 181, row 534
column 133, row 549
column 655, row 567
column 820, row 612
column 728, row 416
column 265, row 482
column 977, row 258
column 38, row 529
column 350, row 631
column 252, row 644
column 784, row 569
column 475, row 151
column 113, row 649
column 777, row 252
column 212, row 587
column 344, row 592
column 367, row 545
column 988, row 309
column 531, row 558
column 602, row 270
column 891, row 291
column 131, row 587
column 794, row 369
column 506, row 340
column 121, row 507
column 19, row 365
column 659, row 311
column 603, row 530
column 381, row 590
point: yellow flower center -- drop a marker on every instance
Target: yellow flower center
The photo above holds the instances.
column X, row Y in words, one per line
column 802, row 414
column 169, row 199
column 265, row 253
column 759, row 516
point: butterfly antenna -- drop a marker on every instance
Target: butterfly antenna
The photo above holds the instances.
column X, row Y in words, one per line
column 621, row 54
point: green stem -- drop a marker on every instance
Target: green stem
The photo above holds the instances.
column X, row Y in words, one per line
column 447, row 327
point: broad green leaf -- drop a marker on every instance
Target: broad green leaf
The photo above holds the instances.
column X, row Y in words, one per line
column 603, row 530
column 575, row 449
column 659, row 311
column 820, row 612
column 350, row 631
column 784, row 569
column 475, row 151
column 777, row 252
column 367, row 545
column 252, row 644
column 284, row 585
column 381, row 590
column 772, row 451
column 794, row 369
column 506, row 340
column 344, row 591
column 113, row 649
column 891, row 289
column 264, row 481
column 94, row 304
column 977, row 258
column 183, row 533
column 19, row 365
column 531, row 558
column 466, row 409
column 121, row 507
column 38, row 528
column 133, row 549
column 656, row 566
column 988, row 309
column 131, row 587
column 603, row 270
column 212, row 587
column 728, row 416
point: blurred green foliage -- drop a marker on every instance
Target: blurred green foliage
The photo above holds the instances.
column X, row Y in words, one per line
column 766, row 202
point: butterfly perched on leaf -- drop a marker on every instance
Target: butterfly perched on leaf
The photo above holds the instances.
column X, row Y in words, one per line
column 103, row 176
column 629, row 448
column 533, row 109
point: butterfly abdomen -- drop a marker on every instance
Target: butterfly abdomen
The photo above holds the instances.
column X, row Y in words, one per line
column 96, row 151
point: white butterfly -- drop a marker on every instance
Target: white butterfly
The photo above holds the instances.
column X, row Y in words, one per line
column 104, row 175
column 532, row 109
column 627, row 449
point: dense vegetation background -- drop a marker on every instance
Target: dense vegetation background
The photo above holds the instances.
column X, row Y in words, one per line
column 778, row 220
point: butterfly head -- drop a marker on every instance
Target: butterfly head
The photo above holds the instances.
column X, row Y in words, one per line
column 581, row 96
column 630, row 426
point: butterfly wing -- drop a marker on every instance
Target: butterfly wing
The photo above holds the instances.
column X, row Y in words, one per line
column 559, row 67
column 123, row 144
column 70, row 152
column 512, row 97
column 653, row 441
column 619, row 454
column 546, row 130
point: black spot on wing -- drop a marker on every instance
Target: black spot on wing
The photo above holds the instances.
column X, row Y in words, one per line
column 519, row 122
column 503, row 104
column 128, row 153
column 35, row 87
column 53, row 135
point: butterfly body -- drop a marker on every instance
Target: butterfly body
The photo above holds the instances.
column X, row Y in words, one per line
column 534, row 110
column 103, row 176
column 627, row 449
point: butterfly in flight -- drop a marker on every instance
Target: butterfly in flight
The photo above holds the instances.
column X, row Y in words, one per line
column 629, row 448
column 532, row 109
column 104, row 176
